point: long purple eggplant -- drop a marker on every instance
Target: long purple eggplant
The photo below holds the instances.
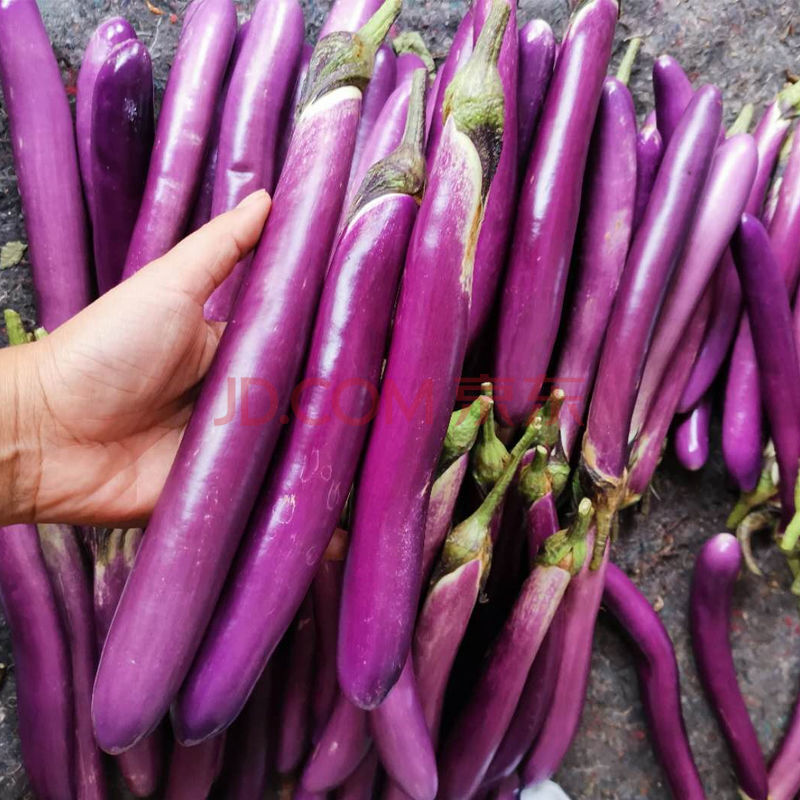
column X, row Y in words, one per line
column 213, row 484
column 382, row 573
column 770, row 320
column 537, row 51
column 649, row 151
column 673, row 92
column 292, row 104
column 326, row 593
column 297, row 514
column 715, row 572
column 654, row 253
column 361, row 784
column 73, row 592
column 547, row 215
column 184, row 123
column 348, row 15
column 193, row 770
column 119, row 153
column 46, row 164
column 498, row 213
column 41, row 664
column 659, row 682
column 605, row 232
column 721, row 204
column 581, row 604
column 105, row 38
column 260, row 83
column 402, row 739
column 691, row 436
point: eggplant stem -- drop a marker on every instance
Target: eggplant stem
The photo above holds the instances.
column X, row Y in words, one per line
column 628, row 60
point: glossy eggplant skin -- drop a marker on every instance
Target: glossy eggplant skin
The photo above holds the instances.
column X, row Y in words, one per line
column 42, row 664
column 193, row 770
column 659, row 681
column 348, row 15
column 46, row 164
column 298, row 510
column 261, row 80
column 715, row 572
column 119, row 154
column 770, row 320
column 654, row 254
column 547, row 214
column 691, row 436
column 673, row 92
column 361, row 784
column 649, row 151
column 201, row 515
column 183, row 128
column 601, row 249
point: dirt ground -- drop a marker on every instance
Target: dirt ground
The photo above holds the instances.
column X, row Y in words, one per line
column 747, row 47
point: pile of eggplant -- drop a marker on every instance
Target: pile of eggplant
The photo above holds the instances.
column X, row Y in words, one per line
column 394, row 593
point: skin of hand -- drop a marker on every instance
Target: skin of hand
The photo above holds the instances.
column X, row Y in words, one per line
column 92, row 415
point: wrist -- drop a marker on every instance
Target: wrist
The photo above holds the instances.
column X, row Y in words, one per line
column 20, row 446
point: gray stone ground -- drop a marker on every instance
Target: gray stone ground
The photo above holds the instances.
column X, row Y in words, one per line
column 746, row 47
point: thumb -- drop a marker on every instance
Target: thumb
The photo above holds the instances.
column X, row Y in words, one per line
column 202, row 261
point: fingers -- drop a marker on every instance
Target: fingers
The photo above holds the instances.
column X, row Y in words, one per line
column 200, row 263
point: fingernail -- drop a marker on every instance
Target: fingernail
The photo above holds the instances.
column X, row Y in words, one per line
column 252, row 199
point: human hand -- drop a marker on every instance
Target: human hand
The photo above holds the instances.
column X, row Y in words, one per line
column 99, row 406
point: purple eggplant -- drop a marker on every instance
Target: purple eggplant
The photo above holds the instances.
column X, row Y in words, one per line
column 673, row 92
column 382, row 572
column 193, row 770
column 785, row 219
column 537, row 51
column 105, row 38
column 72, row 588
column 721, row 204
column 507, row 789
column 46, row 164
column 402, row 739
column 119, row 152
column 649, row 151
column 547, row 216
column 659, row 682
column 602, row 246
column 326, row 593
column 770, row 320
column 654, row 254
column 715, row 572
column 260, row 83
column 184, row 124
column 297, row 513
column 348, row 15
column 498, row 212
column 691, row 436
column 193, row 534
column 295, row 714
column 292, row 104
column 361, row 784
column 41, row 664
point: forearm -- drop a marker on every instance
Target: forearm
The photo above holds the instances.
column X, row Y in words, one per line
column 20, row 449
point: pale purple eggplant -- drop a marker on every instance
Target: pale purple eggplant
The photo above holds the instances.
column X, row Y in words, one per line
column 201, row 515
column 72, row 588
column 673, row 91
column 326, row 593
column 293, row 730
column 412, row 54
column 119, row 153
column 361, row 784
column 298, row 511
column 41, row 664
column 547, row 214
column 770, row 320
column 500, row 207
column 785, row 219
column 106, row 36
column 715, row 572
column 659, row 681
column 182, row 132
column 260, row 83
column 654, row 253
column 603, row 240
column 402, row 740
column 458, row 54
column 46, row 164
column 581, row 604
column 649, row 151
column 348, row 15
column 193, row 770
column 769, row 136
column 537, row 50
column 479, row 728
column 691, row 436
column 342, row 745
column 382, row 572
column 721, row 204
